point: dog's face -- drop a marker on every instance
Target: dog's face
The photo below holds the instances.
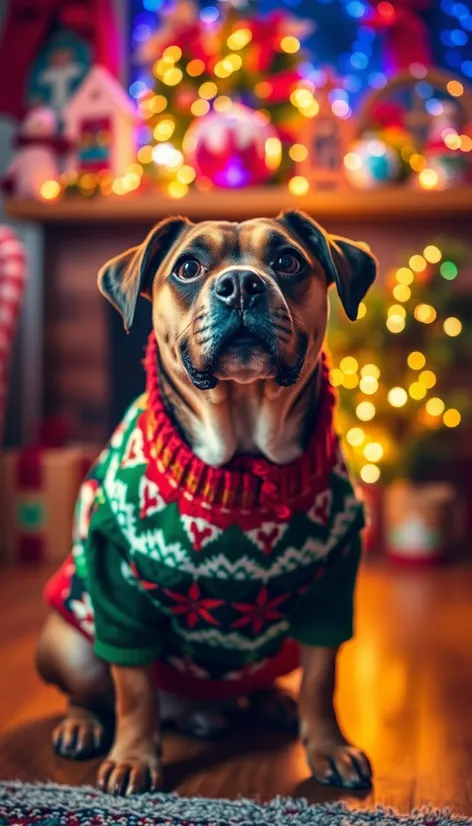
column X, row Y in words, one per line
column 239, row 302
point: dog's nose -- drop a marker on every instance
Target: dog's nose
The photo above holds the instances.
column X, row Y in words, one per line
column 240, row 289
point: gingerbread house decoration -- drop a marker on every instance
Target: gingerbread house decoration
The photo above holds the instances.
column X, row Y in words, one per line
column 99, row 119
column 327, row 137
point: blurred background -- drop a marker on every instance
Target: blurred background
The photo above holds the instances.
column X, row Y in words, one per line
column 115, row 113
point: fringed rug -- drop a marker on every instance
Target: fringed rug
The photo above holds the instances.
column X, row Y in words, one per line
column 25, row 804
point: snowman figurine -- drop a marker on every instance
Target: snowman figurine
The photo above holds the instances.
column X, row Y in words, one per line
column 38, row 157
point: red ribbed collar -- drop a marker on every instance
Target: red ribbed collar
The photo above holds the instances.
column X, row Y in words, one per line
column 247, row 482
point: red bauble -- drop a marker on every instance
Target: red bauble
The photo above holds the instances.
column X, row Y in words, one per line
column 229, row 148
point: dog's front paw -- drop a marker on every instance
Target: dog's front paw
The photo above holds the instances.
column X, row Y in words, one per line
column 339, row 764
column 135, row 772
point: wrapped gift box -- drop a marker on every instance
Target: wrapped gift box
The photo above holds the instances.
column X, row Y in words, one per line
column 38, row 489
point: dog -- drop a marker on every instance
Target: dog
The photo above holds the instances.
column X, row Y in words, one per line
column 216, row 539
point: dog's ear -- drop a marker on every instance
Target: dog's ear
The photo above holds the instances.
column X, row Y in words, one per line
column 347, row 263
column 124, row 278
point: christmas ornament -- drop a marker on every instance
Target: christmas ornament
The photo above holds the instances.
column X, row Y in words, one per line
column 230, row 148
column 38, row 158
column 371, row 163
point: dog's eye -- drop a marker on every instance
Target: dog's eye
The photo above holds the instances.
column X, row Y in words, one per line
column 288, row 263
column 191, row 268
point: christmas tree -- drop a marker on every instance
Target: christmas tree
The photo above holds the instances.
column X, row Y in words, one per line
column 403, row 368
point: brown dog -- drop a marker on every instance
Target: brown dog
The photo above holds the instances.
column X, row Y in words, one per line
column 219, row 526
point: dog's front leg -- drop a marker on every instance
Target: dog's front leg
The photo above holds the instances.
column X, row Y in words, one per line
column 134, row 762
column 332, row 759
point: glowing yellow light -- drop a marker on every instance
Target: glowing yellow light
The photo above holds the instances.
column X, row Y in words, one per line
column 134, row 168
column 417, row 162
column 263, row 89
column 336, row 377
column 432, row 254
column 361, row 310
column 435, row 406
column 455, row 88
column 417, row 390
column 370, row 370
column 365, row 411
column 301, row 98
column 425, row 313
column 452, row 417
column 239, row 39
column 395, row 323
column 177, row 189
column 164, row 130
column 199, row 108
column 235, row 61
column 416, row 360
column 349, row 365
column 396, row 309
column 452, row 326
column 273, row 152
column 195, row 68
column 352, row 161
column 298, row 185
column 427, row 378
column 401, row 292
column 298, row 152
column 118, row 187
column 172, row 77
column 310, row 111
column 50, row 190
column 355, row 436
column 350, row 381
column 466, row 143
column 368, row 385
column 404, row 276
column 370, row 474
column 208, row 90
column 161, row 66
column 222, row 103
column 373, row 452
column 417, row 263
column 173, row 53
column 397, row 397
column 428, row 178
column 167, row 155
column 407, row 152
column 186, row 174
column 223, row 68
column 289, row 44
column 452, row 140
column 131, row 181
column 157, row 104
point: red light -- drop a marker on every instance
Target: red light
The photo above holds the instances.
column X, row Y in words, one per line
column 386, row 10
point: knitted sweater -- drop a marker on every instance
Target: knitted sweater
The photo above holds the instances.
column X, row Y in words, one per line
column 209, row 572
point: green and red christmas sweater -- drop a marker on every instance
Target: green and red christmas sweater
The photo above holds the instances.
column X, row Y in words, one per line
column 215, row 575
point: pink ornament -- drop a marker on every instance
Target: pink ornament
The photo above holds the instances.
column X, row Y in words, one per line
column 229, row 147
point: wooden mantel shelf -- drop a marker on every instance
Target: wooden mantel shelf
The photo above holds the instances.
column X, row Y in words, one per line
column 392, row 204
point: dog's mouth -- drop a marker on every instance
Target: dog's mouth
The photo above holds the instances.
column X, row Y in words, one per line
column 244, row 339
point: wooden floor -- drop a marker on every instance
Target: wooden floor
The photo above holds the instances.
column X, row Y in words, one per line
column 405, row 696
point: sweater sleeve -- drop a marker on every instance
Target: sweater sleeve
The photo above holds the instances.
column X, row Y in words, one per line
column 129, row 628
column 324, row 615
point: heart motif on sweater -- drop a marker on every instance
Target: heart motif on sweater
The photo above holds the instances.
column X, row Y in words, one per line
column 267, row 536
column 199, row 531
column 150, row 500
column 320, row 511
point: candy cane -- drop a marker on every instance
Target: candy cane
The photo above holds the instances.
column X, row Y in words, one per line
column 13, row 274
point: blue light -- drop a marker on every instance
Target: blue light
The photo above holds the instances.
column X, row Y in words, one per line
column 137, row 88
column 467, row 68
column 366, row 33
column 306, row 69
column 458, row 37
column 143, row 134
column 453, row 58
column 359, row 60
column 377, row 80
column 466, row 23
column 358, row 46
column 355, row 9
column 292, row 3
column 325, row 2
column 424, row 89
column 448, row 6
column 338, row 94
column 460, row 10
column 434, row 106
column 209, row 14
column 152, row 5
column 352, row 83
column 141, row 33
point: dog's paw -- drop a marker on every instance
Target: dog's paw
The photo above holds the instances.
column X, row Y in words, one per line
column 123, row 775
column 340, row 765
column 79, row 736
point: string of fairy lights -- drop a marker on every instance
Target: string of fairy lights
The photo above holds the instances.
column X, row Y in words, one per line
column 366, row 380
